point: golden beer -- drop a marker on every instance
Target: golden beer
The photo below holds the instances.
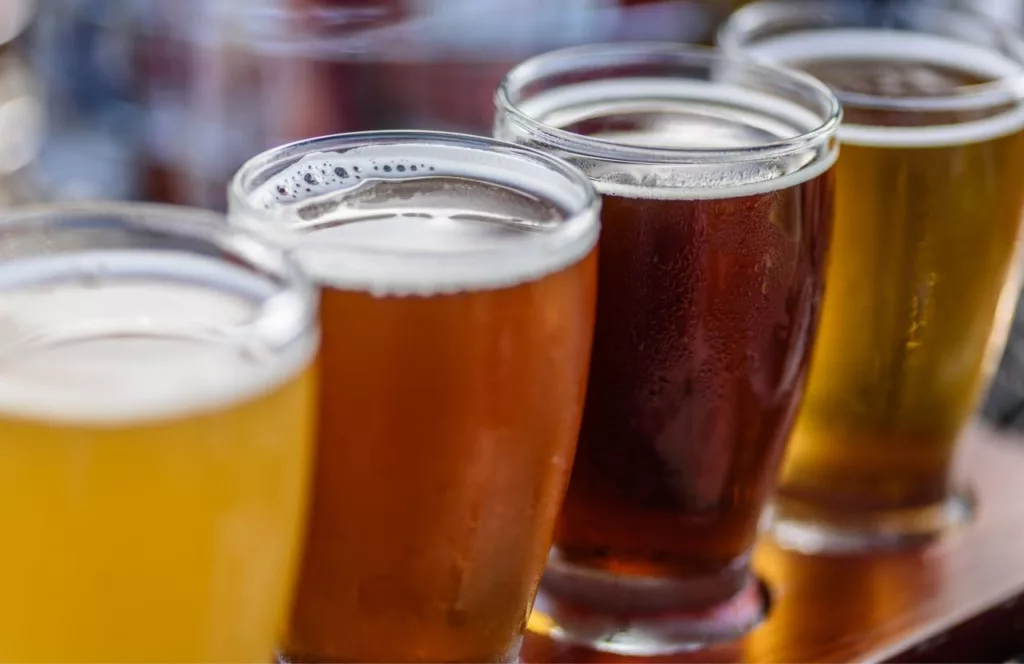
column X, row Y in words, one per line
column 156, row 409
column 930, row 191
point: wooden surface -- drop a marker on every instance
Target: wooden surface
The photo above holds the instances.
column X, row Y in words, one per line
column 960, row 600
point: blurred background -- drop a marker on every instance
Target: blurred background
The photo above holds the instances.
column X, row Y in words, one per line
column 163, row 99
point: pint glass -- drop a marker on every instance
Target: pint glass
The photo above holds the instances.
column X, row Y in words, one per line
column 458, row 289
column 717, row 212
column 923, row 276
column 156, row 412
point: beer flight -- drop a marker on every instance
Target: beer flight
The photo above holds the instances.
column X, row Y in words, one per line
column 421, row 392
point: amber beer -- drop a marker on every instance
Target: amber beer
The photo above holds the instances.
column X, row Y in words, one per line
column 929, row 202
column 459, row 278
column 716, row 220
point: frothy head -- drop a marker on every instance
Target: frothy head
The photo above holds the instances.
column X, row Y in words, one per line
column 923, row 77
column 113, row 352
column 665, row 121
column 688, row 117
column 113, row 313
column 418, row 213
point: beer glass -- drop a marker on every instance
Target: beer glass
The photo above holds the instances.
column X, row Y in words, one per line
column 459, row 278
column 923, row 276
column 156, row 412
column 717, row 211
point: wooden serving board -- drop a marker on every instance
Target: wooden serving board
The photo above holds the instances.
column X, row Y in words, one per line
column 959, row 600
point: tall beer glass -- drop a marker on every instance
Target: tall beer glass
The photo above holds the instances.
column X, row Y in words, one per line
column 459, row 278
column 923, row 276
column 156, row 412
column 717, row 211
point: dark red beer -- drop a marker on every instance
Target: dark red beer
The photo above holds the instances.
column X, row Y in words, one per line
column 704, row 326
column 717, row 215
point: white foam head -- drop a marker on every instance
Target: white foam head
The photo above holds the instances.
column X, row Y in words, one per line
column 117, row 351
column 902, row 45
column 423, row 218
column 712, row 115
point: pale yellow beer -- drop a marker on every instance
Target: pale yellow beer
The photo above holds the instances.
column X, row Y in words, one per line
column 156, row 411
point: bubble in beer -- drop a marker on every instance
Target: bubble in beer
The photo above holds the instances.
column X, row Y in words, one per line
column 323, row 173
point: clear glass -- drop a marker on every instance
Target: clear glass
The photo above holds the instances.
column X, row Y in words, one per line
column 924, row 271
column 717, row 211
column 156, row 412
column 458, row 296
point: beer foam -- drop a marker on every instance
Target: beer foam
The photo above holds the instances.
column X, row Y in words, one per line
column 118, row 350
column 421, row 218
column 781, row 117
column 750, row 181
column 884, row 44
column 757, row 120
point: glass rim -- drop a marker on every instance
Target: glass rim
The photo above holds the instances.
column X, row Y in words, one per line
column 573, row 58
column 733, row 37
column 581, row 220
column 288, row 315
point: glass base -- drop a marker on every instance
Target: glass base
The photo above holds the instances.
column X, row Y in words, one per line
column 800, row 527
column 645, row 617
